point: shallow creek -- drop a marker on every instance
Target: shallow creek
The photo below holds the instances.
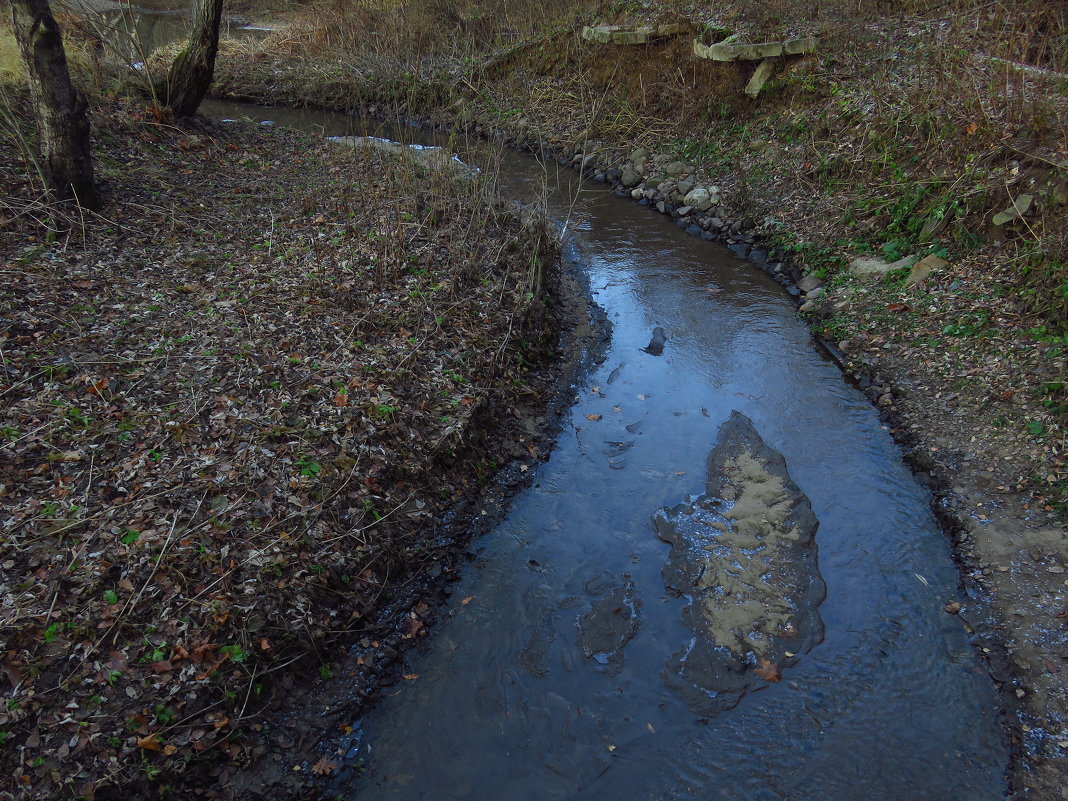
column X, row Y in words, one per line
column 514, row 699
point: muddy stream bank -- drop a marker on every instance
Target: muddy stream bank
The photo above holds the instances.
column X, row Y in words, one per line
column 572, row 663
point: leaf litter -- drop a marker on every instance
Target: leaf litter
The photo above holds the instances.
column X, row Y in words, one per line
column 234, row 409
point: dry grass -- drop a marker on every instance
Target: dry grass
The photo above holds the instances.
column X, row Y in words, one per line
column 416, row 33
column 10, row 62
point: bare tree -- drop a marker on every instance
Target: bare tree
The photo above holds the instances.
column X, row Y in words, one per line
column 192, row 70
column 61, row 111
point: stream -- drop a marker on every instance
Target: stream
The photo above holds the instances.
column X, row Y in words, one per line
column 515, row 700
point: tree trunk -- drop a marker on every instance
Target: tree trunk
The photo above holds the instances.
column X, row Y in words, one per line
column 61, row 111
column 192, row 70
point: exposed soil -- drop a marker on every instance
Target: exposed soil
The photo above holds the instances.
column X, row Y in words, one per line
column 250, row 413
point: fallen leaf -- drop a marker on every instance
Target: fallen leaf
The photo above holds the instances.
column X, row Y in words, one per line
column 324, row 767
column 410, row 676
column 149, row 743
column 593, row 417
column 414, row 627
column 768, row 670
column 467, row 600
column 341, row 400
column 898, row 307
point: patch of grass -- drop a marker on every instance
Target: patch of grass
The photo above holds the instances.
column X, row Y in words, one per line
column 1044, row 288
column 308, row 467
column 973, row 324
column 723, row 149
column 1054, row 396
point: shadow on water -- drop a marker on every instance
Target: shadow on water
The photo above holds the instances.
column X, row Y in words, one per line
column 515, row 700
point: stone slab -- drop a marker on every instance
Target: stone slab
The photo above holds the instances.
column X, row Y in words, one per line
column 732, row 51
column 737, row 52
column 761, row 75
column 619, row 35
column 602, row 34
column 795, row 47
column 876, row 268
column 1019, row 207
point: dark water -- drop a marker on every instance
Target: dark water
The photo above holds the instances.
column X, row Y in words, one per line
column 892, row 704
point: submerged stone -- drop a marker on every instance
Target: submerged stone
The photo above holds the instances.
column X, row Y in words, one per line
column 744, row 553
column 610, row 624
column 657, row 342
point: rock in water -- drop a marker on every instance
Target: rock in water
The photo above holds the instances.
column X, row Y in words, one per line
column 744, row 554
column 610, row 625
column 656, row 344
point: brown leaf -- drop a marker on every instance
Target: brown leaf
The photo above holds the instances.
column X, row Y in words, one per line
column 149, row 743
column 410, row 676
column 200, row 653
column 593, row 417
column 324, row 767
column 768, row 670
column 97, row 387
column 898, row 307
column 341, row 400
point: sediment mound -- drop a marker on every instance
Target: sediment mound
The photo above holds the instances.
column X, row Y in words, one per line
column 744, row 553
